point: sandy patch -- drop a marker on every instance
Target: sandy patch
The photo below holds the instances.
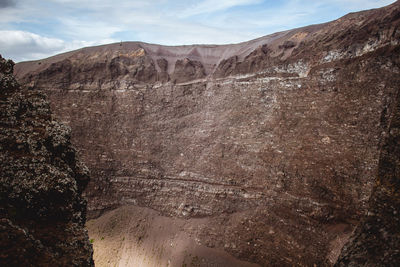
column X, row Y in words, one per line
column 134, row 236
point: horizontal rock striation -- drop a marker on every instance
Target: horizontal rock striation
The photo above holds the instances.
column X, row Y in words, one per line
column 42, row 212
column 281, row 133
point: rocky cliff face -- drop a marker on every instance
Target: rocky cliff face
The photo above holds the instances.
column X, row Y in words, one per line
column 42, row 212
column 376, row 241
column 275, row 141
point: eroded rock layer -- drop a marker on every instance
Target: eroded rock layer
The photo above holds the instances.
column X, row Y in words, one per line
column 42, row 212
column 276, row 140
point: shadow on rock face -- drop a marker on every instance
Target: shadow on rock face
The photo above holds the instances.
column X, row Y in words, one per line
column 42, row 210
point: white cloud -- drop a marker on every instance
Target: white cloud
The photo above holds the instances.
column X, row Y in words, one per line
column 365, row 4
column 99, row 4
column 88, row 30
column 192, row 33
column 21, row 45
column 210, row 6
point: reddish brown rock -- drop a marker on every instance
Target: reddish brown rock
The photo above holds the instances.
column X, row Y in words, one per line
column 274, row 141
column 376, row 241
column 226, row 67
column 163, row 73
column 187, row 70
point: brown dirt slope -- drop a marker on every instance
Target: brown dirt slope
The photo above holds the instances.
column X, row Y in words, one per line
column 135, row 236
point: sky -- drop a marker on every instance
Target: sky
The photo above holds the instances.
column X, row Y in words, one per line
column 35, row 29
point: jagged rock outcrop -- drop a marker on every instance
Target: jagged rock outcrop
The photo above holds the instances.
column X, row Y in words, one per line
column 163, row 73
column 136, row 66
column 42, row 212
column 376, row 241
column 187, row 70
column 274, row 141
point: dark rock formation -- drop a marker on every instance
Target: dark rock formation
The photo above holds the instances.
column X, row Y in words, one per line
column 136, row 65
column 376, row 241
column 42, row 212
column 287, row 45
column 275, row 141
column 226, row 67
column 187, row 70
column 163, row 73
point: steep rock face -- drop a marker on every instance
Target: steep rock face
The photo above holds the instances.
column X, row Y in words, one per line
column 89, row 71
column 163, row 73
column 136, row 66
column 376, row 241
column 187, row 70
column 275, row 141
column 42, row 212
